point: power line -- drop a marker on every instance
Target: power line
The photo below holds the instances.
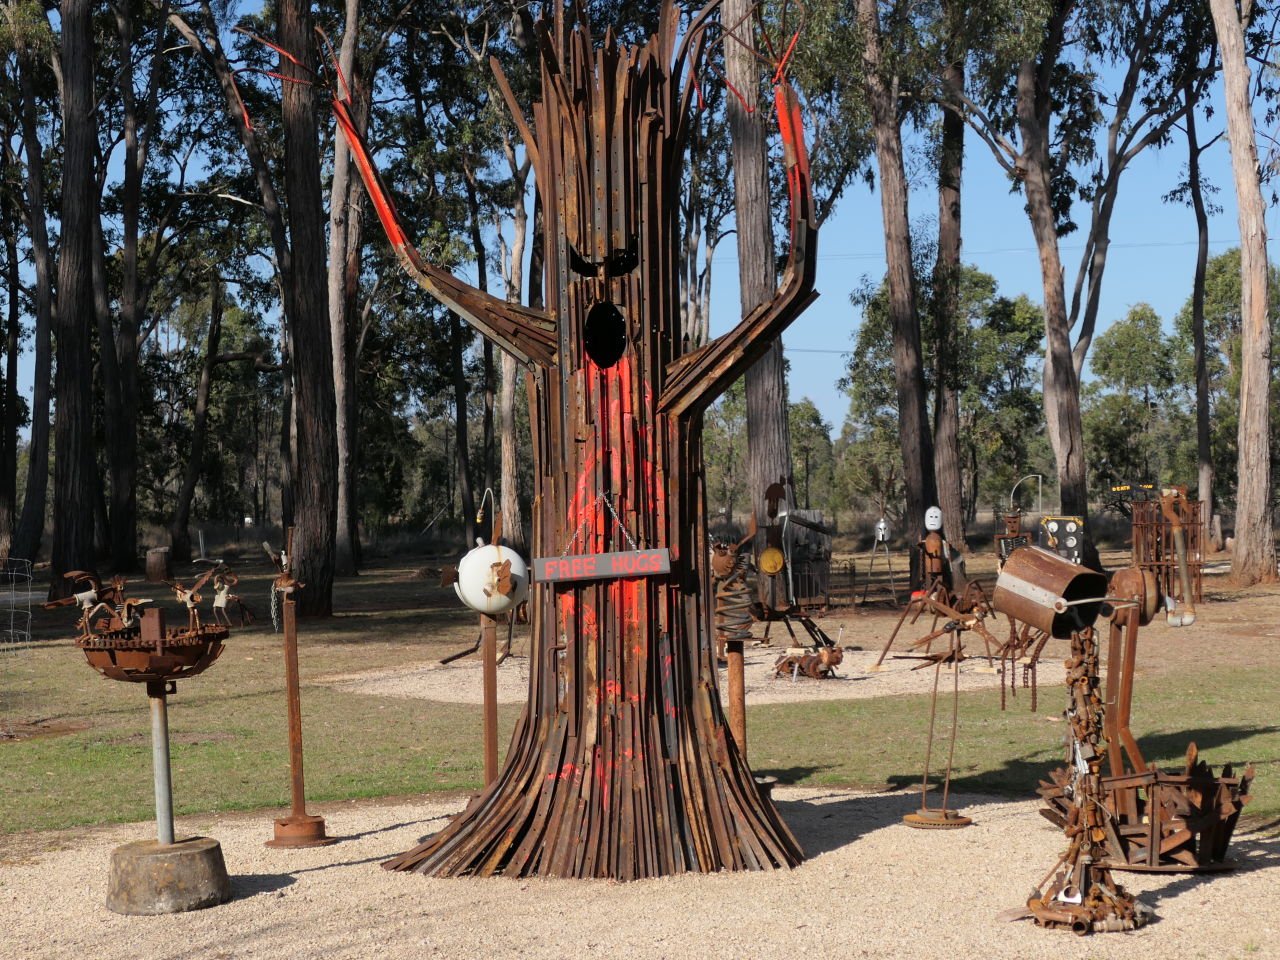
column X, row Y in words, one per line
column 1005, row 251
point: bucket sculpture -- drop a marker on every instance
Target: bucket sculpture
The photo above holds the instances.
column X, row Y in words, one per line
column 1118, row 812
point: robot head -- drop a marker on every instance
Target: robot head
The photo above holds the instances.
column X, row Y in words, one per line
column 933, row 519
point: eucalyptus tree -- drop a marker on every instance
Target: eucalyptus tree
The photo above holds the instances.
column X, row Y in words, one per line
column 768, row 445
column 915, row 438
column 12, row 293
column 38, row 67
column 298, row 247
column 75, row 477
column 1254, row 557
column 1196, row 191
column 1039, row 102
column 995, row 346
column 1221, row 357
column 1131, row 413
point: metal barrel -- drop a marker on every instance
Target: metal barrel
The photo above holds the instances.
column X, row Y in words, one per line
column 1050, row 593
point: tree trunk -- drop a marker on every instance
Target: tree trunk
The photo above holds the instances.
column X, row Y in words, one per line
column 340, row 317
column 13, row 334
column 462, row 463
column 768, row 439
column 946, row 313
column 76, row 483
column 486, row 358
column 914, row 438
column 1061, row 386
column 179, row 528
column 119, row 346
column 1254, row 558
column 509, row 442
column 1204, row 450
column 306, row 306
column 26, row 540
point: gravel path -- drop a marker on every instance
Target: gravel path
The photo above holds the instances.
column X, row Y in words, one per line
column 871, row 888
column 459, row 682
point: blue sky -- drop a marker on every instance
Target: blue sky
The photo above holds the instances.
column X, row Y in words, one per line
column 1152, row 255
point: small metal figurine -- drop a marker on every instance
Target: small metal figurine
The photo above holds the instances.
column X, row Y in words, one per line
column 224, row 581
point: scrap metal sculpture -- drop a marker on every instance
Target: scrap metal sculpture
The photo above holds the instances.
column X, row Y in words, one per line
column 1156, row 821
column 124, row 641
column 1117, row 811
column 621, row 765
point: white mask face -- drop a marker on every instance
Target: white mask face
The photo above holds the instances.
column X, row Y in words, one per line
column 933, row 519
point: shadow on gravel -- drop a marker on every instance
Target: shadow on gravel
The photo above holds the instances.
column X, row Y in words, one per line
column 824, row 826
column 248, row 885
column 1249, row 852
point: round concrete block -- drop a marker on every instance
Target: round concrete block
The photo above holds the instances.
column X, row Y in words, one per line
column 149, row 877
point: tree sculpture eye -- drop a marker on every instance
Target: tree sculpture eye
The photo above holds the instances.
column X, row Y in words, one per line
column 604, row 334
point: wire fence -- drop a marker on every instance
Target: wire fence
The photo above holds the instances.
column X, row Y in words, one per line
column 15, row 639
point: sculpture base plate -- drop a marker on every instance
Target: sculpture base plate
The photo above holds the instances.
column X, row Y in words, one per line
column 304, row 830
column 928, row 819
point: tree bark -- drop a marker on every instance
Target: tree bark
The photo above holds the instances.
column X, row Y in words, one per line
column 914, row 438
column 1204, row 450
column 179, row 528
column 76, row 483
column 486, row 357
column 1254, row 558
column 306, row 306
column 768, row 440
column 946, row 309
column 30, row 531
column 509, row 442
column 13, row 334
column 462, row 448
column 1061, row 386
column 340, row 200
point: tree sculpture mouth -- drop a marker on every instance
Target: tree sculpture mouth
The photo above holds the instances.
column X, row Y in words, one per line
column 604, row 334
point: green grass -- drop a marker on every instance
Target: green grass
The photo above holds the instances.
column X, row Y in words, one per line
column 871, row 743
column 228, row 727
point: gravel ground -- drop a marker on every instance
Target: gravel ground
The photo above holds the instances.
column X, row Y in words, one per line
column 871, row 888
column 459, row 682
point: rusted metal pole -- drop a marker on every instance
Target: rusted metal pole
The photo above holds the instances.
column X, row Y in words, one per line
column 489, row 656
column 737, row 693
column 297, row 790
column 299, row 829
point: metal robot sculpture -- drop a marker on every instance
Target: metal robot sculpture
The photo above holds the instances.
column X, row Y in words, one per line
column 621, row 765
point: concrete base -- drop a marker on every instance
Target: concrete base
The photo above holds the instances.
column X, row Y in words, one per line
column 149, row 877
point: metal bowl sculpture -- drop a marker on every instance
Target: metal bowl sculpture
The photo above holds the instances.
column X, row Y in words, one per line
column 126, row 639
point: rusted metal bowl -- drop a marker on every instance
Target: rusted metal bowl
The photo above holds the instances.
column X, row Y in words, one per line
column 1048, row 592
column 172, row 655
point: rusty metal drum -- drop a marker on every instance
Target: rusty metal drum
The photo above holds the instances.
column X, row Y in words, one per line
column 1049, row 593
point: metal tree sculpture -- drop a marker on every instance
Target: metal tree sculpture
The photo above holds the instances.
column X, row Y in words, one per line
column 620, row 765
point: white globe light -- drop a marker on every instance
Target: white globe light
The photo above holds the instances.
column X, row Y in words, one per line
column 477, row 584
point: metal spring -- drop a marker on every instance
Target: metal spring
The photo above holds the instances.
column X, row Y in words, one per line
column 733, row 606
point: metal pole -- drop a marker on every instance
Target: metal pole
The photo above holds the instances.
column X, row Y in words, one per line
column 160, row 760
column 733, row 652
column 298, row 795
column 489, row 656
